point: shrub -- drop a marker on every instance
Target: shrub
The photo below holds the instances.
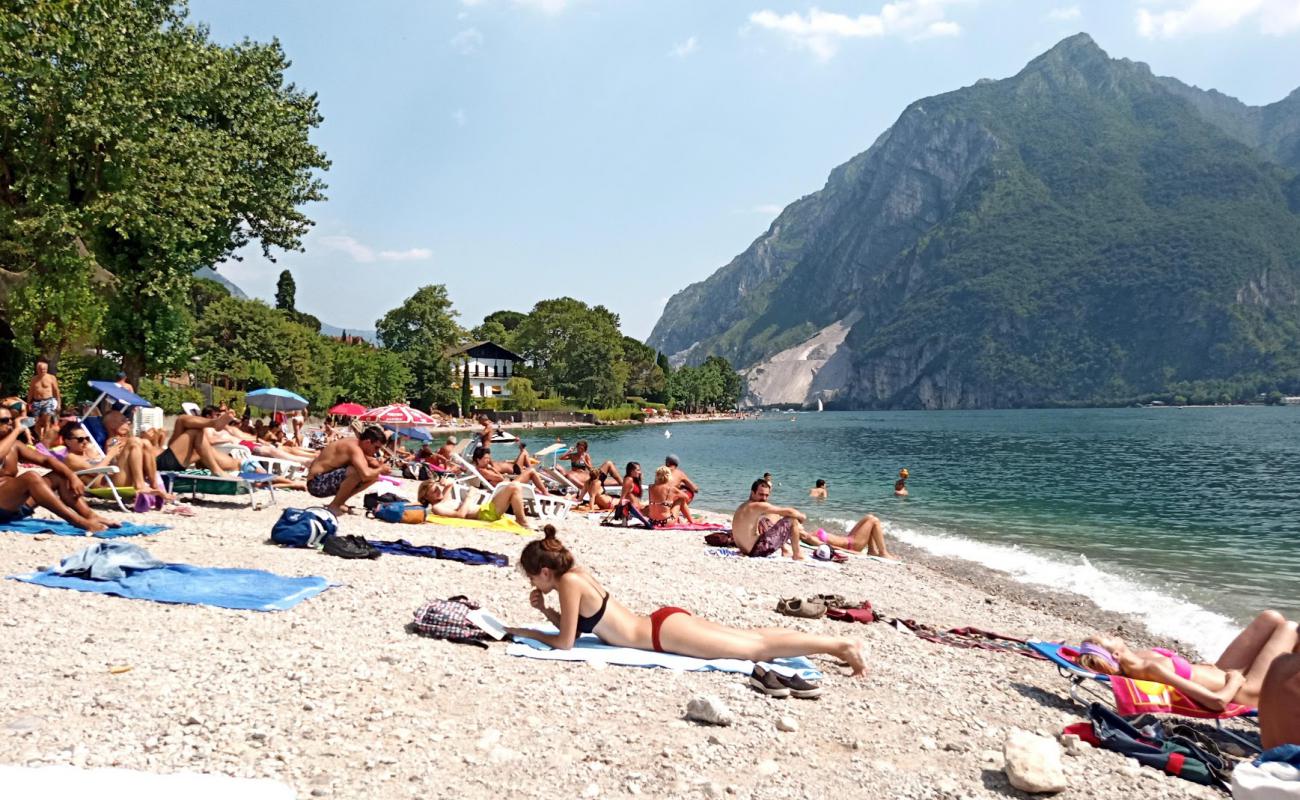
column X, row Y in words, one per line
column 168, row 398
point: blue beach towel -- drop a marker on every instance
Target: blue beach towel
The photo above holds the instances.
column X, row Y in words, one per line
column 589, row 647
column 245, row 589
column 58, row 527
column 465, row 555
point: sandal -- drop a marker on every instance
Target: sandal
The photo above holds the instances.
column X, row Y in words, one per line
column 829, row 600
column 804, row 609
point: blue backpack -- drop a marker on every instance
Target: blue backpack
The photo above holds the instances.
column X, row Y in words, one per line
column 400, row 511
column 304, row 527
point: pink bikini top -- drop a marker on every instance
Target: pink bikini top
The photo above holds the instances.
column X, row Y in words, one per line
column 1182, row 668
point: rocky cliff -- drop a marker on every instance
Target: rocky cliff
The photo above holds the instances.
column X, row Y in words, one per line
column 1082, row 230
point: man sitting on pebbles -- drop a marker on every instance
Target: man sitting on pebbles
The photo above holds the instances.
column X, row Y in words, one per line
column 761, row 529
column 346, row 467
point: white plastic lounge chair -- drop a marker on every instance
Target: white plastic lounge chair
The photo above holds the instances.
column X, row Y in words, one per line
column 545, row 506
column 192, row 409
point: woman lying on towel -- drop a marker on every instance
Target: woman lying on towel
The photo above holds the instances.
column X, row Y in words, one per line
column 1236, row 677
column 586, row 607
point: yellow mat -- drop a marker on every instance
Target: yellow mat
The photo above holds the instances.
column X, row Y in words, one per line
column 505, row 524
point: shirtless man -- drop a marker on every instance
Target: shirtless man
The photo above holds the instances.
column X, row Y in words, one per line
column 818, row 492
column 133, row 457
column 189, row 445
column 761, row 529
column 60, row 491
column 683, row 483
column 442, row 456
column 436, row 494
column 491, row 470
column 43, row 395
column 121, row 382
column 346, row 467
column 1279, row 703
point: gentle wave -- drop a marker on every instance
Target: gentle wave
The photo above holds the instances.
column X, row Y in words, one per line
column 1207, row 631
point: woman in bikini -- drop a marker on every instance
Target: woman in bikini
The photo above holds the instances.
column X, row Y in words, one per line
column 666, row 503
column 1236, row 677
column 587, row 607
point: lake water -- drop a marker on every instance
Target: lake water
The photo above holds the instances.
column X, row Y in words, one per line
column 1188, row 518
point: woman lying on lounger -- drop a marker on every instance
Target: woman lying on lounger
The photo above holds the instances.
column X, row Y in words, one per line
column 436, row 494
column 1235, row 678
column 586, row 607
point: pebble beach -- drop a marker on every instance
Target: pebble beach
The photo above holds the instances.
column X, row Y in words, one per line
column 335, row 698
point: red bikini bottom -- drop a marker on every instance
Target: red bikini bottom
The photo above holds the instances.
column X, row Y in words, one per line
column 657, row 621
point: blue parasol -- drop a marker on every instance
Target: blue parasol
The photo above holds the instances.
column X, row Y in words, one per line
column 276, row 400
column 120, row 395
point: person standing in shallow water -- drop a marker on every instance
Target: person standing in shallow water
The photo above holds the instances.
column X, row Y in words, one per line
column 900, row 485
column 818, row 492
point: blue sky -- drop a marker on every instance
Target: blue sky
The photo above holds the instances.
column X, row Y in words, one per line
column 618, row 150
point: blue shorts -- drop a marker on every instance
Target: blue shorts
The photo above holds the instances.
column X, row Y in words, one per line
column 23, row 512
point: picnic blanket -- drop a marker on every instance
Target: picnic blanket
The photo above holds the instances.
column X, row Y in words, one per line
column 34, row 525
column 588, row 647
column 505, row 524
column 244, row 589
column 968, row 638
column 465, row 555
column 808, row 560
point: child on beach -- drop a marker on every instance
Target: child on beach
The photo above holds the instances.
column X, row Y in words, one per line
column 587, row 607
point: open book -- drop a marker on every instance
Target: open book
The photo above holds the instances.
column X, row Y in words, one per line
column 490, row 624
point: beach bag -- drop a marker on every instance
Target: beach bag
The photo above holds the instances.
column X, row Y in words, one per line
column 1150, row 747
column 449, row 619
column 304, row 527
column 372, row 500
column 417, row 471
column 401, row 511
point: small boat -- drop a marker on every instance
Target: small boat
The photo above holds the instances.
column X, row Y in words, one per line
column 504, row 437
column 819, row 404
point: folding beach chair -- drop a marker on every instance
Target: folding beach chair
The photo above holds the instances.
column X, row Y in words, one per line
column 244, row 482
column 1131, row 698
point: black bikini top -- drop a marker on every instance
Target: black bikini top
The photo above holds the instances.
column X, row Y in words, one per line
column 588, row 624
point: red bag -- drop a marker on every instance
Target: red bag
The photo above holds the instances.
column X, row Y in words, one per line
column 862, row 613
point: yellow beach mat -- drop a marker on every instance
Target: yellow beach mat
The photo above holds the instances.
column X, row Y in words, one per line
column 105, row 493
column 505, row 524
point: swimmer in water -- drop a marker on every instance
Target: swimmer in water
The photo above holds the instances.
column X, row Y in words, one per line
column 900, row 485
column 818, row 492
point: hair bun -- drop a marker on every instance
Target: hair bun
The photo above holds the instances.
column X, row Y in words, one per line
column 549, row 531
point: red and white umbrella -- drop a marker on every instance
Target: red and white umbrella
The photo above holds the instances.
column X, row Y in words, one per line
column 400, row 415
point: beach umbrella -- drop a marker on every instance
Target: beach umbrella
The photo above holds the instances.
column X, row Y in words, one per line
column 411, row 433
column 117, row 393
column 398, row 414
column 348, row 410
column 276, row 400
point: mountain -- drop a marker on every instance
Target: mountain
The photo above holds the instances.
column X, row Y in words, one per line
column 208, row 273
column 1081, row 232
column 325, row 328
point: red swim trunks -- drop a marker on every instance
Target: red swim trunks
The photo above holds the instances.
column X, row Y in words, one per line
column 657, row 621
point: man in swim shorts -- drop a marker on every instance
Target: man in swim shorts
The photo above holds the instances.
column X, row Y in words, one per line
column 761, row 529
column 346, row 467
column 43, row 395
column 189, row 445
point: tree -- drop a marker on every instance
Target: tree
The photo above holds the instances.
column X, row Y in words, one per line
column 422, row 329
column 464, row 389
column 133, row 149
column 645, row 376
column 284, row 291
column 521, row 393
column 574, row 351
column 367, row 375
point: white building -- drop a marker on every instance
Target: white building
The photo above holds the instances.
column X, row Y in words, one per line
column 490, row 366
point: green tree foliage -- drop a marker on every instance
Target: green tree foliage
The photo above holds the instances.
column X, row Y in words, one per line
column 574, row 351
column 285, row 289
column 645, row 377
column 422, row 329
column 133, row 148
column 499, row 327
column 369, row 376
column 202, row 293
column 713, row 385
column 522, row 395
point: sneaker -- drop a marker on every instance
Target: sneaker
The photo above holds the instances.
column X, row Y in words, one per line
column 768, row 682
column 348, row 547
column 805, row 609
column 797, row 686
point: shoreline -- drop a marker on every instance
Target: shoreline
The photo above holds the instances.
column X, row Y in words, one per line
column 335, row 698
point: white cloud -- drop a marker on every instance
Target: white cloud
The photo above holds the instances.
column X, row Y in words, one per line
column 1189, row 18
column 467, row 42
column 686, row 48
column 821, row 32
column 365, row 254
column 1064, row 14
column 459, row 117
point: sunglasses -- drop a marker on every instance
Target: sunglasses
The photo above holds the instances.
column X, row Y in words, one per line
column 79, row 438
column 6, row 419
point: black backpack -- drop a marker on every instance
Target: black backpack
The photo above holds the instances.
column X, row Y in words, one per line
column 372, row 500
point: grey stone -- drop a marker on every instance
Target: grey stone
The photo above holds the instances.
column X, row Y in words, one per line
column 709, row 709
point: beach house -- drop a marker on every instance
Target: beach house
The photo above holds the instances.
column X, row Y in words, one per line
column 490, row 366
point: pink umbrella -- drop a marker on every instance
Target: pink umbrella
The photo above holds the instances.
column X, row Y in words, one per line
column 398, row 414
column 348, row 409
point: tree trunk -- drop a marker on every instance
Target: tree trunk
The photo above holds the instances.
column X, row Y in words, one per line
column 133, row 366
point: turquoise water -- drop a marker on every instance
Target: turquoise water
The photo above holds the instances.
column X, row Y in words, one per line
column 1189, row 517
